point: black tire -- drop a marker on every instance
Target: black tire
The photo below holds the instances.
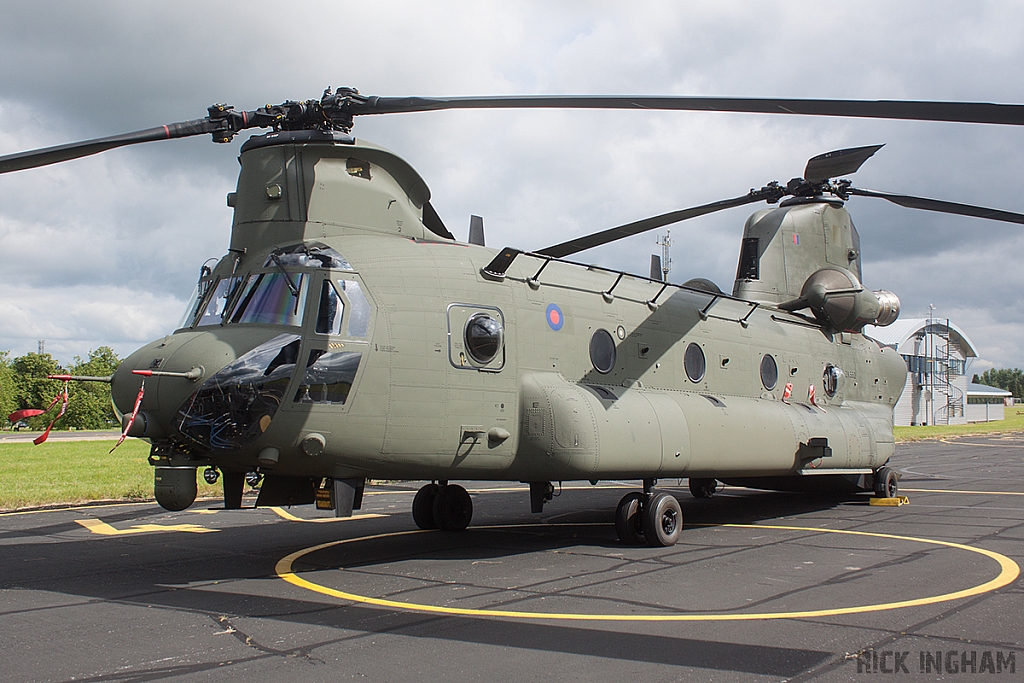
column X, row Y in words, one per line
column 453, row 508
column 663, row 520
column 703, row 488
column 423, row 507
column 629, row 518
column 886, row 483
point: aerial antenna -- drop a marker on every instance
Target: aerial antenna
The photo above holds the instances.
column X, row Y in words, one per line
column 666, row 254
column 42, row 346
column 476, row 230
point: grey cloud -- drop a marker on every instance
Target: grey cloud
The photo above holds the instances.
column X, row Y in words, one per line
column 138, row 222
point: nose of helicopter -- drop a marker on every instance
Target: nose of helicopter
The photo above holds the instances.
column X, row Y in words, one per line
column 192, row 377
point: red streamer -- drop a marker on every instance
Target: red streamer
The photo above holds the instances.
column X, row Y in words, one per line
column 131, row 420
column 62, row 394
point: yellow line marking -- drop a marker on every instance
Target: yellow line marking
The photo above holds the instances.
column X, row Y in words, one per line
column 1009, row 571
column 214, row 499
column 72, row 508
column 103, row 529
column 956, row 442
column 980, row 493
column 284, row 514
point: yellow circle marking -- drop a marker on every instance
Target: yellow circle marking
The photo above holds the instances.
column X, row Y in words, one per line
column 1008, row 574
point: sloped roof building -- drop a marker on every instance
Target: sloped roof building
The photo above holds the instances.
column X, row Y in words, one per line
column 937, row 353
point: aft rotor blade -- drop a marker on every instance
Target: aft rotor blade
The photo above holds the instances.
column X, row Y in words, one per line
column 74, row 150
column 940, row 206
column 635, row 228
column 838, row 163
column 959, row 112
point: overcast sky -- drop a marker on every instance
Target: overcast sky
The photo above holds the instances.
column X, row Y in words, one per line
column 105, row 250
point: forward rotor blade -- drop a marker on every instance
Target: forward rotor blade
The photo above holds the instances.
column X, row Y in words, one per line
column 629, row 229
column 838, row 163
column 941, row 207
column 960, row 112
column 74, row 150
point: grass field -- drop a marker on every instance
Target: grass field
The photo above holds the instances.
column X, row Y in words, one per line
column 1014, row 422
column 72, row 472
column 68, row 472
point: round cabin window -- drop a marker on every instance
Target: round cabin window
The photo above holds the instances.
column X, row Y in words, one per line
column 769, row 372
column 602, row 351
column 484, row 338
column 831, row 379
column 693, row 362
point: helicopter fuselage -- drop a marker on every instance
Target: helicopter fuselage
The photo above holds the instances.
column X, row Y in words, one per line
column 343, row 337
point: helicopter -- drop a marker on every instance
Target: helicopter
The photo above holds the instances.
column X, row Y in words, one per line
column 346, row 334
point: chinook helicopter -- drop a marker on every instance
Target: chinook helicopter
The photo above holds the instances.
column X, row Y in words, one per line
column 347, row 335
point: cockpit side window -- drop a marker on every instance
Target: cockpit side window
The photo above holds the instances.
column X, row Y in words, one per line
column 329, row 314
column 277, row 298
column 359, row 313
column 329, row 377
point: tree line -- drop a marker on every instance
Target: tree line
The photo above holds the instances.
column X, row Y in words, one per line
column 23, row 384
column 1010, row 380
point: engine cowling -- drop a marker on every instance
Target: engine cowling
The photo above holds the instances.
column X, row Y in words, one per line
column 837, row 298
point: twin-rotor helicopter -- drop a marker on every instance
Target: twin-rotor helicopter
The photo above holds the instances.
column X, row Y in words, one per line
column 347, row 335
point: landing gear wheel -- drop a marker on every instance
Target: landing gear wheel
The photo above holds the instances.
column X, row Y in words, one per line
column 886, row 483
column 453, row 508
column 703, row 488
column 663, row 520
column 423, row 507
column 629, row 519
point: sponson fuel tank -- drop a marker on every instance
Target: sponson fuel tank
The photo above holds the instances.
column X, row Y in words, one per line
column 589, row 431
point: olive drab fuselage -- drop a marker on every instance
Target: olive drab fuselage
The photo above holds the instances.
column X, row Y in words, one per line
column 343, row 350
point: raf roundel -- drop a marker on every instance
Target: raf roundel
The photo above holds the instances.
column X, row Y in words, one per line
column 555, row 317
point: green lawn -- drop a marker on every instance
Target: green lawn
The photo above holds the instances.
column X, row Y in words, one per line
column 1014, row 422
column 77, row 472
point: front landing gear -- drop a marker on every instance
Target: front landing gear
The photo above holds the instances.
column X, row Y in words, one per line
column 654, row 518
column 629, row 519
column 446, row 506
column 663, row 520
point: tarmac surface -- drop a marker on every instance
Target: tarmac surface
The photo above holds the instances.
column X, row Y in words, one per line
column 77, row 435
column 762, row 586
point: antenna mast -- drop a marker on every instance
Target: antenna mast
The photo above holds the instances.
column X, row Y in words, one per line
column 666, row 254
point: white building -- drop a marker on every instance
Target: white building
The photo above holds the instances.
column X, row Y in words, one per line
column 936, row 352
column 985, row 403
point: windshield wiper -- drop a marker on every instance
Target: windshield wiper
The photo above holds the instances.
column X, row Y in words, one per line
column 287, row 278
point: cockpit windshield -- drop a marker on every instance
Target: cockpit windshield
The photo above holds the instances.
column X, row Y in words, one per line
column 272, row 298
column 213, row 314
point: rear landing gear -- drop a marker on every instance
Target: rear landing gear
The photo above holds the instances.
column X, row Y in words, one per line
column 886, row 483
column 446, row 506
column 654, row 518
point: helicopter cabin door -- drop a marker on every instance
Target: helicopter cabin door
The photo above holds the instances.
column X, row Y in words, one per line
column 481, row 398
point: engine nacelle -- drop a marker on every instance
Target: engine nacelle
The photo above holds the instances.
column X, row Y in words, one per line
column 837, row 298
